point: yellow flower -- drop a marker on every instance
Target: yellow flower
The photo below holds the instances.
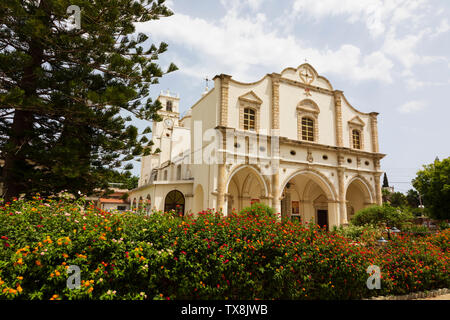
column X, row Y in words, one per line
column 19, row 288
column 20, row 278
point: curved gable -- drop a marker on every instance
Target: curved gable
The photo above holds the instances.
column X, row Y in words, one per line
column 305, row 73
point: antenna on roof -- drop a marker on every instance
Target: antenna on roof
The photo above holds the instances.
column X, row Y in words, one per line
column 206, row 86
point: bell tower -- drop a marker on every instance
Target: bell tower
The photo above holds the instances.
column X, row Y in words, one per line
column 161, row 134
column 169, row 113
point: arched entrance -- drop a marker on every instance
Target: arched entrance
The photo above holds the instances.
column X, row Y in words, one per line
column 245, row 186
column 174, row 201
column 140, row 203
column 148, row 204
column 357, row 196
column 309, row 197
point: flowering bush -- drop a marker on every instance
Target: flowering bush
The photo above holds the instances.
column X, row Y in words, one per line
column 243, row 256
column 259, row 210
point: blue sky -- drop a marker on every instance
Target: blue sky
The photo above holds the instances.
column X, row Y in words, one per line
column 388, row 56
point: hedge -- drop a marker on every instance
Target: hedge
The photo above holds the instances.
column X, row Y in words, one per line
column 161, row 256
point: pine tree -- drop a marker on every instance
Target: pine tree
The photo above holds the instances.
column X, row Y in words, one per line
column 67, row 92
column 385, row 181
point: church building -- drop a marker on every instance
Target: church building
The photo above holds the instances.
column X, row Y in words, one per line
column 289, row 140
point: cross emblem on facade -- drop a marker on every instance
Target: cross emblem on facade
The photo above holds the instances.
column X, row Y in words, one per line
column 306, row 75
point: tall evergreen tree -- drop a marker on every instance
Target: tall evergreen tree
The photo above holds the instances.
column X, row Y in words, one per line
column 67, row 92
column 385, row 181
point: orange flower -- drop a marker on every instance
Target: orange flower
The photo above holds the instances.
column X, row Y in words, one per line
column 38, row 263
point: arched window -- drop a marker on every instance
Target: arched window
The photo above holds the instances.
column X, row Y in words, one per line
column 154, row 175
column 249, row 119
column 307, row 129
column 174, row 201
column 356, row 138
column 169, row 106
column 165, row 175
column 179, row 172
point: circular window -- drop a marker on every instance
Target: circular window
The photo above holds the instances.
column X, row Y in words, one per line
column 262, row 149
column 325, row 157
column 367, row 163
column 293, row 153
column 168, row 134
column 349, row 160
column 237, row 145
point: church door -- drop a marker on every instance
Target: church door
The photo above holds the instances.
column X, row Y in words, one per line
column 322, row 218
column 174, row 201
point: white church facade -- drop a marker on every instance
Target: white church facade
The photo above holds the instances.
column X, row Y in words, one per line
column 289, row 140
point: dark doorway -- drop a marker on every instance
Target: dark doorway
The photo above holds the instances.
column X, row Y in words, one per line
column 174, row 201
column 322, row 218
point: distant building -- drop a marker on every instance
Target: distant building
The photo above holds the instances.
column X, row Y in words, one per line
column 113, row 201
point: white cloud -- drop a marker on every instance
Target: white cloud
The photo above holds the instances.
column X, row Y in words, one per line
column 414, row 84
column 443, row 27
column 412, row 106
column 377, row 15
column 237, row 45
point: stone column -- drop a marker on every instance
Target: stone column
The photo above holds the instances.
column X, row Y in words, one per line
column 342, row 202
column 276, row 192
column 221, row 187
column 374, row 131
column 338, row 118
column 275, row 101
column 378, row 193
column 222, row 177
column 224, row 88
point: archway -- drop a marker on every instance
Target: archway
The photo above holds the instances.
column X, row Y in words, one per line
column 198, row 199
column 140, row 203
column 148, row 203
column 358, row 196
column 245, row 186
column 309, row 197
column 174, row 201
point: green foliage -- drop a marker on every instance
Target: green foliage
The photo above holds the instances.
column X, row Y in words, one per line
column 134, row 256
column 67, row 94
column 397, row 199
column 413, row 198
column 126, row 179
column 433, row 183
column 259, row 210
column 377, row 215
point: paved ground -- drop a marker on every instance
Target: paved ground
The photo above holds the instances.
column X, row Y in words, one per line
column 443, row 297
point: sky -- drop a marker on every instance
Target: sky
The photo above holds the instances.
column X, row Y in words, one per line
column 388, row 56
